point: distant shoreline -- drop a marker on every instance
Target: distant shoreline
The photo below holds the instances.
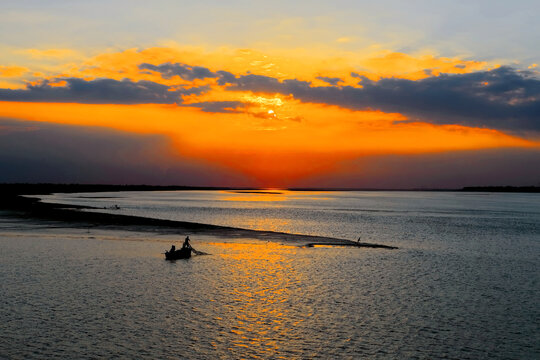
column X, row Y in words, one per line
column 48, row 188
column 512, row 189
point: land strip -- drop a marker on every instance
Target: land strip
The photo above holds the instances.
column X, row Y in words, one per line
column 25, row 207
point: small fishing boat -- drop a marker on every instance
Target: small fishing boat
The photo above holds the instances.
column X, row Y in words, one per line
column 183, row 253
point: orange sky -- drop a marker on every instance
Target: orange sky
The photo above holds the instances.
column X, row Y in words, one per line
column 274, row 139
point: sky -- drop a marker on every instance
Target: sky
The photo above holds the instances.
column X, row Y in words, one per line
column 342, row 94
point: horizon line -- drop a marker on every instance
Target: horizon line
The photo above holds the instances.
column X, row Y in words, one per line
column 81, row 187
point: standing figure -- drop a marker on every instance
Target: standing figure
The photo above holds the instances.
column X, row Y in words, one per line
column 186, row 244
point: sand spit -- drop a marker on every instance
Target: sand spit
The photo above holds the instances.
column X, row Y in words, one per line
column 76, row 216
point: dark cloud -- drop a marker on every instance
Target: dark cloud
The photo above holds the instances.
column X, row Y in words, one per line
column 196, row 90
column 43, row 152
column 330, row 80
column 218, row 106
column 100, row 91
column 186, row 72
column 255, row 83
column 225, row 77
column 502, row 98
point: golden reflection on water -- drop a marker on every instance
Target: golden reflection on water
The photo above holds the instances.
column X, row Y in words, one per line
column 268, row 224
column 270, row 195
column 262, row 223
column 289, row 201
column 263, row 287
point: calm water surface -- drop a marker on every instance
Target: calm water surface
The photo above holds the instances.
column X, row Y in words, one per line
column 395, row 217
column 464, row 283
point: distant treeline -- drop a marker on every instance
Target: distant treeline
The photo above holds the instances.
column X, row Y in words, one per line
column 35, row 189
column 520, row 189
column 45, row 188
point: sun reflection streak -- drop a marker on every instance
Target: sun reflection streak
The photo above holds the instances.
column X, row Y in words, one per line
column 257, row 195
column 262, row 287
column 270, row 195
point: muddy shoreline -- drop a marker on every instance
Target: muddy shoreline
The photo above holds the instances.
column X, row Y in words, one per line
column 75, row 216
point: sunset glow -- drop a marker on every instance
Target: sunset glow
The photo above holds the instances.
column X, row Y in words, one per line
column 276, row 116
column 269, row 179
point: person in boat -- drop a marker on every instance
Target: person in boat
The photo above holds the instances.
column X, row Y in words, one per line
column 173, row 249
column 186, row 244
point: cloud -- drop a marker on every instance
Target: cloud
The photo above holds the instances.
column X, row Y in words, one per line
column 255, row 83
column 503, row 98
column 330, row 80
column 100, row 91
column 225, row 77
column 44, row 152
column 50, row 53
column 12, row 71
column 186, row 72
column 218, row 106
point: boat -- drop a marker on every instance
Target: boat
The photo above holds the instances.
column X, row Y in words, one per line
column 183, row 253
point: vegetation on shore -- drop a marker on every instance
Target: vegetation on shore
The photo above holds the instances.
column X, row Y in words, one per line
column 47, row 188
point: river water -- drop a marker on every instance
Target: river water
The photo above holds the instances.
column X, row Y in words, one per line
column 464, row 283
